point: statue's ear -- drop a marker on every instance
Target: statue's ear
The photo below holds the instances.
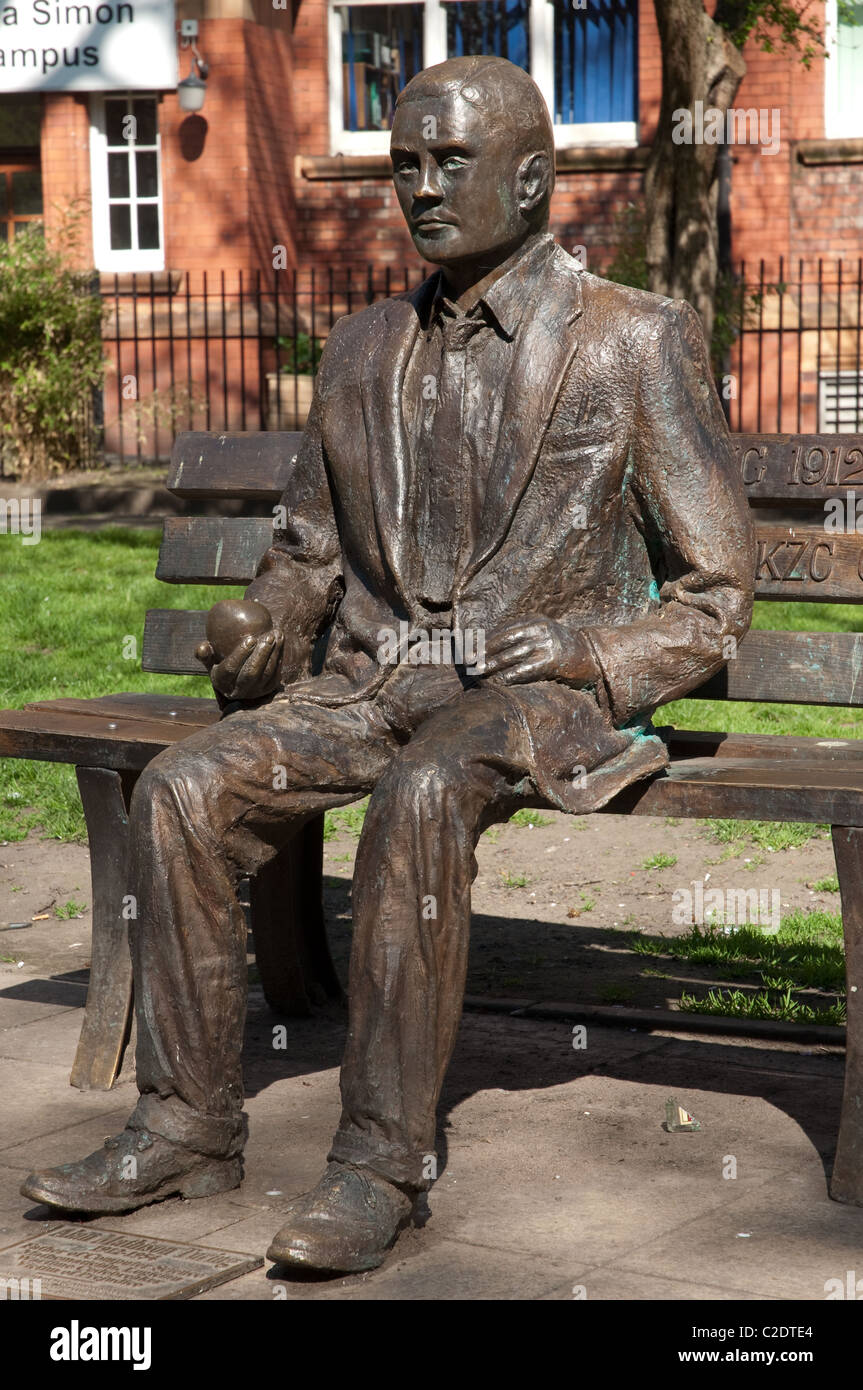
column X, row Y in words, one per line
column 534, row 181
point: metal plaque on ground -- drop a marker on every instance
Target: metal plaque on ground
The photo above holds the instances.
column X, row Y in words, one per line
column 74, row 1262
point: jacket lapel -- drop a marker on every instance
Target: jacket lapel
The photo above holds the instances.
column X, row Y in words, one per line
column 389, row 460
column 545, row 347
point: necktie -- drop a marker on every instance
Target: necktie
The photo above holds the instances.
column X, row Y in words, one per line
column 444, row 521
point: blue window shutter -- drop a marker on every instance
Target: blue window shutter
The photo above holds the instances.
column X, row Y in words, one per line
column 595, row 62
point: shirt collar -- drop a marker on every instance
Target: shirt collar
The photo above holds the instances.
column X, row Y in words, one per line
column 504, row 298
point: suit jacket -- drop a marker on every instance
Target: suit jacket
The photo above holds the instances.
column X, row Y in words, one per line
column 613, row 505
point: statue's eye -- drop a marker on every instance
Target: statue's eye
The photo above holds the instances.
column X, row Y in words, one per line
column 453, row 162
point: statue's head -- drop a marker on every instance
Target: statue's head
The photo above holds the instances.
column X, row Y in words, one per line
column 473, row 159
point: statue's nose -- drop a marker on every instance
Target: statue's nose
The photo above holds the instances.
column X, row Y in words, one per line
column 429, row 183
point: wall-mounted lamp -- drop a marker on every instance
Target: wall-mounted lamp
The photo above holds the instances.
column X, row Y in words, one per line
column 192, row 90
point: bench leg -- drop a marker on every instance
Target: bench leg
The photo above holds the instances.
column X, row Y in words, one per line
column 105, row 798
column 287, row 912
column 846, row 1185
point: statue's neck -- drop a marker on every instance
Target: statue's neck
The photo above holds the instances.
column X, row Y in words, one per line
column 465, row 284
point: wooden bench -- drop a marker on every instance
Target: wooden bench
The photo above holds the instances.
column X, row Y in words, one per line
column 761, row 777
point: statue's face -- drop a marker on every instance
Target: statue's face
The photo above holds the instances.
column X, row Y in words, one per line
column 456, row 180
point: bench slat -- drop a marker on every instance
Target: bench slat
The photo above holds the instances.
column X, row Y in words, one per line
column 796, row 563
column 87, row 740
column 749, row 789
column 170, row 638
column 802, row 468
column 806, row 564
column 798, row 668
column 190, row 711
column 214, row 550
column 250, row 465
column 698, row 743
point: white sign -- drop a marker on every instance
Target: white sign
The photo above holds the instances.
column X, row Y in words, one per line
column 52, row 46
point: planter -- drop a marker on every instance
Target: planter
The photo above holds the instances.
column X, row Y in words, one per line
column 289, row 399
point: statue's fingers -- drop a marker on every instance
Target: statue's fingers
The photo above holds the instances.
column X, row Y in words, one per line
column 523, row 672
column 205, row 654
column 225, row 674
column 256, row 659
column 510, row 656
column 503, row 637
column 269, row 676
column 515, row 635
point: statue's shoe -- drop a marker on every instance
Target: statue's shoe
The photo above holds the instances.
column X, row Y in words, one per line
column 346, row 1224
column 130, row 1171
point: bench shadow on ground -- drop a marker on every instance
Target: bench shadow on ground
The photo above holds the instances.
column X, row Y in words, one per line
column 808, row 1089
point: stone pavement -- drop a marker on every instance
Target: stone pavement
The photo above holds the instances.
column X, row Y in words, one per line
column 556, row 1178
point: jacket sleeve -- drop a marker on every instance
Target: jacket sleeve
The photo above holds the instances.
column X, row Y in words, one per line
column 299, row 578
column 696, row 524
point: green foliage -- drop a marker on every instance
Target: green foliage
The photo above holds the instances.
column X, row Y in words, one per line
column 825, row 885
column 628, row 266
column 660, row 861
column 299, row 356
column 776, row 25
column 69, row 910
column 50, row 351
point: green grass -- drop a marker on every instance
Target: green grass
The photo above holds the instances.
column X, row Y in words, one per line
column 69, row 604
column 808, row 949
column 66, row 911
column 529, row 819
column 825, row 885
column 660, row 861
column 763, row 834
column 346, row 818
column 513, row 880
column 733, row 1003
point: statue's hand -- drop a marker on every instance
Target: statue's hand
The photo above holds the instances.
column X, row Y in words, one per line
column 250, row 670
column 538, row 650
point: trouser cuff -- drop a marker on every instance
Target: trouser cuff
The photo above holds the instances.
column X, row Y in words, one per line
column 399, row 1166
column 218, row 1136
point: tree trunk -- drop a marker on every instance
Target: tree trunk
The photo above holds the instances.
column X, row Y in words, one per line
column 699, row 64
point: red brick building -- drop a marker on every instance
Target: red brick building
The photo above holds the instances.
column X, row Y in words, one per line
column 289, row 150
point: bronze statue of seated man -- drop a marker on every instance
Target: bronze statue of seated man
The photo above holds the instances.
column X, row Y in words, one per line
column 521, row 454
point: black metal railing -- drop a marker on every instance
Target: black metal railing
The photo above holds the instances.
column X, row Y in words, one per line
column 221, row 351
column 797, row 364
column 224, row 351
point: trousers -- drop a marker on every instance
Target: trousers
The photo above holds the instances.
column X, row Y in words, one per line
column 217, row 806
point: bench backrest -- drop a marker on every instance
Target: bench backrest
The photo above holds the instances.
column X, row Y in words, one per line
column 805, row 553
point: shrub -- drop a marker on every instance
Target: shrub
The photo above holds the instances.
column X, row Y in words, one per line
column 50, row 352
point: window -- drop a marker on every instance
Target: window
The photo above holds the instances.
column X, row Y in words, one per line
column 126, row 181
column 584, row 61
column 840, row 402
column 843, row 75
column 20, row 172
column 20, row 197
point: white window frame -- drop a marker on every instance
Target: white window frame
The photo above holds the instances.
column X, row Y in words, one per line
column 107, row 259
column 833, row 402
column 838, row 124
column 348, row 142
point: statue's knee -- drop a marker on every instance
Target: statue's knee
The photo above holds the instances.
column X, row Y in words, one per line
column 158, row 784
column 419, row 783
